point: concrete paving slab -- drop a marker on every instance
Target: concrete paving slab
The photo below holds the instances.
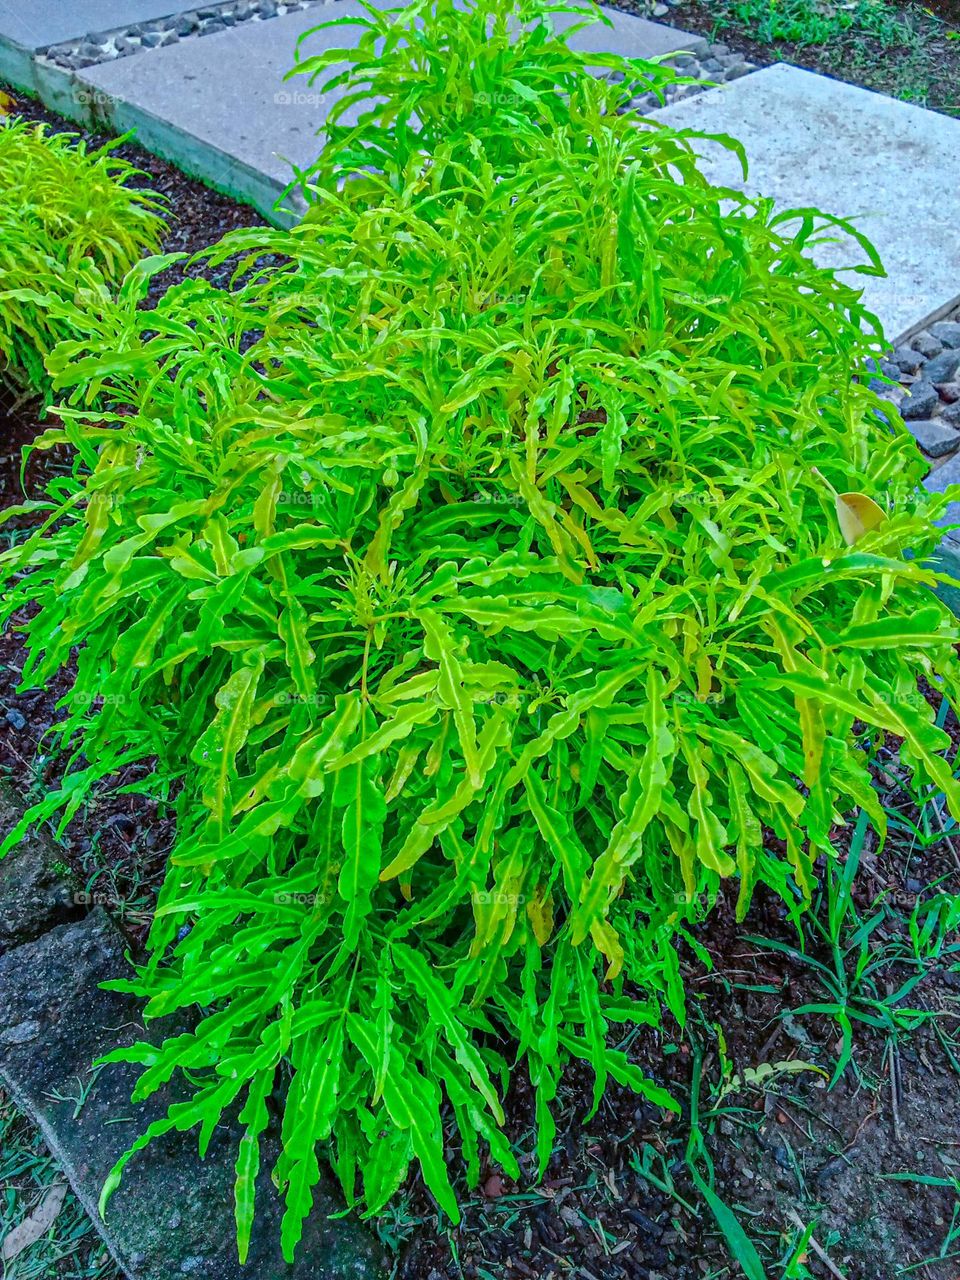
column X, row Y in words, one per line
column 27, row 26
column 218, row 106
column 855, row 154
column 172, row 1214
column 630, row 36
column 37, row 24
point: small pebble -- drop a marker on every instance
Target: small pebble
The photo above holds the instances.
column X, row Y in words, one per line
column 927, row 344
column 943, row 367
column 934, row 438
column 947, row 332
column 14, row 718
column 921, row 401
column 907, row 360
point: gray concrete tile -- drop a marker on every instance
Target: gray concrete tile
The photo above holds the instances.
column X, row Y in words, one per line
column 218, row 106
column 856, row 154
column 35, row 24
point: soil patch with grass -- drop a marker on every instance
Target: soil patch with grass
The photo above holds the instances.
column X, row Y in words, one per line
column 909, row 50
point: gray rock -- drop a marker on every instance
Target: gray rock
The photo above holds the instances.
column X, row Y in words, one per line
column 951, row 414
column 942, row 367
column 940, row 480
column 935, row 438
column 926, row 344
column 660, row 10
column 890, row 370
column 14, row 718
column 267, row 8
column 54, row 983
column 36, row 892
column 949, row 391
column 921, row 401
column 892, row 392
column 948, row 332
column 738, row 70
column 20, row 1033
column 907, row 360
column 211, row 26
column 186, row 25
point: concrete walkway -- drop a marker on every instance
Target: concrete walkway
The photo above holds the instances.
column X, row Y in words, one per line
column 884, row 164
column 218, row 106
column 204, row 88
column 28, row 27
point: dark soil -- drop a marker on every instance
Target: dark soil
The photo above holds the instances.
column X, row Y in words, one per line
column 794, row 1155
column 118, row 849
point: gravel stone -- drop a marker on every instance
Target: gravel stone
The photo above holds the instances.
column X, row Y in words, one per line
column 926, row 344
column 947, row 332
column 907, row 360
column 186, row 25
column 934, row 437
column 942, row 367
column 951, row 414
column 949, row 392
column 921, row 401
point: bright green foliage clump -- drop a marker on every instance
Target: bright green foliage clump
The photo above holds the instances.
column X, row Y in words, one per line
column 70, row 229
column 470, row 581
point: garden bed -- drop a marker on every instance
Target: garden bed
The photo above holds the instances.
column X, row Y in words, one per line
column 870, row 1166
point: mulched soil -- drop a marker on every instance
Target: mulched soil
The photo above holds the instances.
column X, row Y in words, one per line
column 795, row 1154
column 791, row 1156
column 118, row 849
column 926, row 72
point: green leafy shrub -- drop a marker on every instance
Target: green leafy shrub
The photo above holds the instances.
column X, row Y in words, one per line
column 475, row 581
column 70, row 229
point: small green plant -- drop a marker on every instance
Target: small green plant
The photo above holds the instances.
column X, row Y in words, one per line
column 858, row 955
column 71, row 227
column 478, row 574
column 810, row 22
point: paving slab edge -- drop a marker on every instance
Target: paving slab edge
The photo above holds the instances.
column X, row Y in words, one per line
column 77, row 99
column 43, row 928
column 46, row 1131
